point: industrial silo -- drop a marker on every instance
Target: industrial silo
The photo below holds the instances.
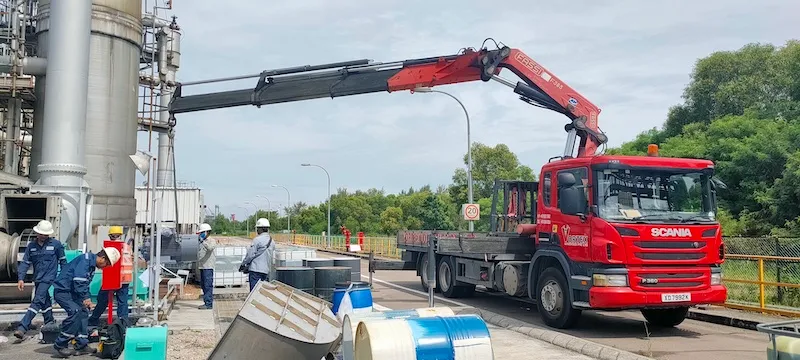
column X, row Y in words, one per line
column 112, row 107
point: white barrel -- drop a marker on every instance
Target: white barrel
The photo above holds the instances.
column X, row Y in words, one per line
column 351, row 321
column 462, row 337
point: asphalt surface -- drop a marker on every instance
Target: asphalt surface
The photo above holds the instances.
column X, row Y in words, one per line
column 625, row 330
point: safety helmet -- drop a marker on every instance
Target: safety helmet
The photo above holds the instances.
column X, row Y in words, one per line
column 204, row 227
column 262, row 222
column 113, row 254
column 115, row 230
column 44, row 227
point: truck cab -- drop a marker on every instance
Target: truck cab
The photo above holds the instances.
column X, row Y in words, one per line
column 626, row 232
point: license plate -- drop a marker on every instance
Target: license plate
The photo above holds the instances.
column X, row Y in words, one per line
column 686, row 297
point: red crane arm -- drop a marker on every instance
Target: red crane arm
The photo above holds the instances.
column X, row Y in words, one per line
column 542, row 86
column 539, row 86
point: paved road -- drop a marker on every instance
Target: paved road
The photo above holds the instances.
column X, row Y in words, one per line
column 623, row 330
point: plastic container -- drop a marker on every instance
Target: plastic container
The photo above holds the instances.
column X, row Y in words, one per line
column 459, row 337
column 360, row 296
column 146, row 343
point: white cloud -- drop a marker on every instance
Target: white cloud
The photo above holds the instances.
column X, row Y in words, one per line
column 630, row 58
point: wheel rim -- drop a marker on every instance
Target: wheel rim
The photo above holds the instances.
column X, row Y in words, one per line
column 444, row 276
column 552, row 297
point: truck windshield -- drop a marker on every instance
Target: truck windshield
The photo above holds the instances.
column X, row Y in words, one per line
column 654, row 195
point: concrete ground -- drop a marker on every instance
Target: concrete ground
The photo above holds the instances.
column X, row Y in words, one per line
column 624, row 330
column 193, row 334
column 506, row 344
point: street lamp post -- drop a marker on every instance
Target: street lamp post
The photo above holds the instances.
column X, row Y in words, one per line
column 255, row 208
column 469, row 145
column 328, row 234
column 246, row 219
column 288, row 205
column 269, row 205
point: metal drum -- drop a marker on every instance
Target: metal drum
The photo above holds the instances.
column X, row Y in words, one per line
column 326, row 278
column 460, row 337
column 298, row 277
column 353, row 263
column 317, row 262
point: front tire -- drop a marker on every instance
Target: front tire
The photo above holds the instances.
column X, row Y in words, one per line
column 666, row 318
column 554, row 300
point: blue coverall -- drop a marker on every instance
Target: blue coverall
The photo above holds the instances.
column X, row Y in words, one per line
column 70, row 289
column 45, row 260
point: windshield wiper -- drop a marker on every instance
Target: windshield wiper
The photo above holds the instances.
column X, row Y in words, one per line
column 695, row 218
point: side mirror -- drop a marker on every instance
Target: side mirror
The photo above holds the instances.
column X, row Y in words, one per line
column 572, row 201
column 566, row 180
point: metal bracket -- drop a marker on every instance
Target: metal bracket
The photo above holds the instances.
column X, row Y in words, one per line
column 263, row 81
column 491, row 60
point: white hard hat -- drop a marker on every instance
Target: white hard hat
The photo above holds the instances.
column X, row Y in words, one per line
column 262, row 222
column 44, row 227
column 113, row 254
column 204, row 227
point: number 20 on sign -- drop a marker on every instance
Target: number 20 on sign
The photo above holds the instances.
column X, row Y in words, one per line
column 472, row 212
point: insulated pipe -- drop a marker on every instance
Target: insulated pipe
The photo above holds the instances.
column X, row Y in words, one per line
column 62, row 165
column 168, row 63
column 35, row 66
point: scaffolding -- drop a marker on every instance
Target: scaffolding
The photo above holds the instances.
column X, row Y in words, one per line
column 150, row 78
column 17, row 98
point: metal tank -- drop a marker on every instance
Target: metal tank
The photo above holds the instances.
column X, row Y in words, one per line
column 112, row 108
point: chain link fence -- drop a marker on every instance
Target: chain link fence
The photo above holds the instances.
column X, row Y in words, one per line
column 763, row 272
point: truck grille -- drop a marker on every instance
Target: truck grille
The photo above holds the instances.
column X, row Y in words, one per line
column 662, row 279
column 669, row 251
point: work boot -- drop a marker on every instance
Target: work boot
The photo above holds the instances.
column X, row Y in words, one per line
column 203, row 307
column 64, row 353
column 86, row 350
column 19, row 334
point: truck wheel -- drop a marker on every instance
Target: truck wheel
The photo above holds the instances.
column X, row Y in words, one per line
column 666, row 317
column 423, row 274
column 554, row 301
column 447, row 282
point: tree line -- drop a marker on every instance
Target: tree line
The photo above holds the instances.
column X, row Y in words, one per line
column 741, row 109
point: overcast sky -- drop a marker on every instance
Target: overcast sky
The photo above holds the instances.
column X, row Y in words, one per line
column 631, row 58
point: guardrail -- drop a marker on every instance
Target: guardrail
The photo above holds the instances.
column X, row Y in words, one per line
column 382, row 246
column 762, row 283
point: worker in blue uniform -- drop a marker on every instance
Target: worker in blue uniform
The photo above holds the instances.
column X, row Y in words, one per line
column 45, row 255
column 71, row 292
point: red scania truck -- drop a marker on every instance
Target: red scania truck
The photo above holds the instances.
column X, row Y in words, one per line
column 595, row 232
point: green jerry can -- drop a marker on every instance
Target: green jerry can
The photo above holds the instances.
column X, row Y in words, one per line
column 146, row 343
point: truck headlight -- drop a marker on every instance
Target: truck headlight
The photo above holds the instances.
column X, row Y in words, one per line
column 716, row 278
column 609, row 280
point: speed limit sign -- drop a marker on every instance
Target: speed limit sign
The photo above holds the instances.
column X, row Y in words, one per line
column 472, row 212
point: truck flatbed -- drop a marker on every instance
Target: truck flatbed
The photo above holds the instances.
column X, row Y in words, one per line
column 486, row 246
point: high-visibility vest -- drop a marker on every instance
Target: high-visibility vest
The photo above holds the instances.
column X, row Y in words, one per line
column 126, row 270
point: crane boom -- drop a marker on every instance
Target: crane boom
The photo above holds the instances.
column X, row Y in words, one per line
column 539, row 86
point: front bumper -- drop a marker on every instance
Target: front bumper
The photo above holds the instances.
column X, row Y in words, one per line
column 627, row 298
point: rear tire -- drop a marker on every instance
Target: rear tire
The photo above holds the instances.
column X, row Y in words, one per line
column 450, row 287
column 554, row 300
column 666, row 318
column 423, row 274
